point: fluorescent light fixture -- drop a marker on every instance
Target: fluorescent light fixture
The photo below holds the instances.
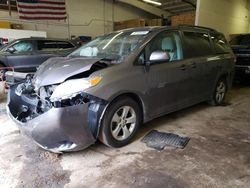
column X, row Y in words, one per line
column 152, row 2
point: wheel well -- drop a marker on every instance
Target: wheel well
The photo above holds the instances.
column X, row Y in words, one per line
column 134, row 97
column 226, row 77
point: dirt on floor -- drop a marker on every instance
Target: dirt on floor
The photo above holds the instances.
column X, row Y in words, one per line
column 218, row 154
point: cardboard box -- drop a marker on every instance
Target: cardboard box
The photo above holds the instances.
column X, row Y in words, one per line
column 186, row 18
column 5, row 25
column 154, row 22
column 129, row 24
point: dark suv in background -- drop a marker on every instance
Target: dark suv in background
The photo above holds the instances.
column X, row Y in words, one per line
column 241, row 48
column 26, row 54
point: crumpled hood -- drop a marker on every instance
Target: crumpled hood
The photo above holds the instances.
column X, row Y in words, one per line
column 57, row 70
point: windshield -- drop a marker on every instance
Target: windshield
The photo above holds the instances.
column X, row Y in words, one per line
column 113, row 47
column 241, row 40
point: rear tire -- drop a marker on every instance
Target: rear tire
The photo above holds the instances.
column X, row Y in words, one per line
column 220, row 92
column 120, row 122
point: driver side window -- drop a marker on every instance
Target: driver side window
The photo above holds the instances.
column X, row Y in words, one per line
column 169, row 42
column 23, row 46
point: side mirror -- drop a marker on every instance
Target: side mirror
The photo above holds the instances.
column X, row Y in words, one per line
column 11, row 50
column 158, row 57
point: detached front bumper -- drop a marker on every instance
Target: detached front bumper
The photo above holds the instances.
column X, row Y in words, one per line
column 58, row 129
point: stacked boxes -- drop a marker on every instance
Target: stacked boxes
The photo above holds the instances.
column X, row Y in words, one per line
column 187, row 18
column 137, row 23
column 154, row 22
column 129, row 23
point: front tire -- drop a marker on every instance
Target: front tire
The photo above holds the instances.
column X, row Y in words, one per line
column 220, row 93
column 120, row 122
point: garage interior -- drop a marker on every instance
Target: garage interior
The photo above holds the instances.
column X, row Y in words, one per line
column 218, row 153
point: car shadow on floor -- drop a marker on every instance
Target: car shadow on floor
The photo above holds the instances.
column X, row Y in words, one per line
column 169, row 119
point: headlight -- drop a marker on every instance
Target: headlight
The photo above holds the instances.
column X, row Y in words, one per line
column 71, row 88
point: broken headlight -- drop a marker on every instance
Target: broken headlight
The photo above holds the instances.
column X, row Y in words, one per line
column 72, row 88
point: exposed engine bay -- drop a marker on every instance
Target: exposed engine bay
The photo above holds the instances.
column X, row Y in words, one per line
column 28, row 101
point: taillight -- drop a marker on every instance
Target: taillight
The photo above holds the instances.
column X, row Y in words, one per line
column 5, row 41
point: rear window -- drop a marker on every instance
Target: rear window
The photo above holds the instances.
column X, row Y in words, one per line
column 197, row 44
column 220, row 43
column 49, row 45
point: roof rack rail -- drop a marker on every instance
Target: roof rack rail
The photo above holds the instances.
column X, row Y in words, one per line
column 198, row 27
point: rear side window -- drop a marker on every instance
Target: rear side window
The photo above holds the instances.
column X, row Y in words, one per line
column 50, row 45
column 220, row 43
column 197, row 44
column 64, row 45
column 46, row 45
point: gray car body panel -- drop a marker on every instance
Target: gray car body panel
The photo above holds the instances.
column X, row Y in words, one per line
column 30, row 60
column 56, row 70
column 59, row 125
column 159, row 89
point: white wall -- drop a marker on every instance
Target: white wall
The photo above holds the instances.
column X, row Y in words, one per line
column 12, row 34
column 85, row 17
column 96, row 17
column 227, row 16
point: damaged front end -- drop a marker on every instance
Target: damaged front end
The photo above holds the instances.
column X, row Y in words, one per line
column 56, row 122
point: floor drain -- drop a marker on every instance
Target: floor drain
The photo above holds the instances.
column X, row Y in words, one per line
column 159, row 140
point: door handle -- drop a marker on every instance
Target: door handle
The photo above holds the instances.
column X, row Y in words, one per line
column 193, row 65
column 183, row 67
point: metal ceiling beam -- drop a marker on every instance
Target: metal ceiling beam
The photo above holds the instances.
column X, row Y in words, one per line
column 146, row 7
column 171, row 2
column 191, row 2
column 175, row 6
column 182, row 10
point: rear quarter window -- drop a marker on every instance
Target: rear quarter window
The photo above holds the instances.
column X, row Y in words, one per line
column 50, row 45
column 197, row 44
column 220, row 43
column 64, row 45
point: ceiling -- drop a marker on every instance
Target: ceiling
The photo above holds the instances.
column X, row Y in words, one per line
column 175, row 7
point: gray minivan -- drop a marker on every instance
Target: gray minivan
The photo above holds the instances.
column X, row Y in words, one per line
column 107, row 88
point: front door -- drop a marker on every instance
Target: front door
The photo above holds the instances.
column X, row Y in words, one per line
column 165, row 79
column 22, row 59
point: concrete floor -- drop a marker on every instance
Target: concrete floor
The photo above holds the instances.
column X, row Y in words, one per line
column 218, row 154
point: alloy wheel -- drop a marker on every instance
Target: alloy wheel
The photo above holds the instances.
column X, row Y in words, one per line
column 123, row 123
column 220, row 92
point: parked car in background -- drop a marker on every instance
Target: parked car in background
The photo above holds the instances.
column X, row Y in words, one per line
column 241, row 48
column 107, row 88
column 25, row 55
